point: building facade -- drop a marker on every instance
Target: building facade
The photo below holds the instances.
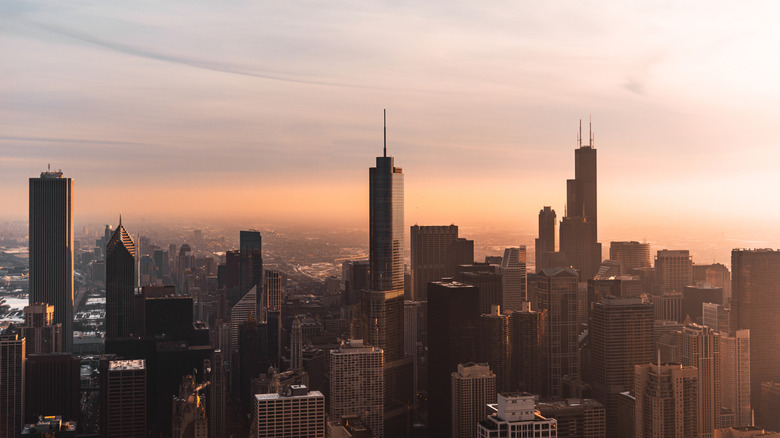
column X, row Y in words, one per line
column 294, row 412
column 120, row 284
column 357, row 384
column 473, row 388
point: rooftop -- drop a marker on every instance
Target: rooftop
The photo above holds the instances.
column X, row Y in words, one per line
column 120, row 365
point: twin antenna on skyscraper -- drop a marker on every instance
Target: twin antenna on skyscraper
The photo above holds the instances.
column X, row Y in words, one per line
column 590, row 128
column 385, row 123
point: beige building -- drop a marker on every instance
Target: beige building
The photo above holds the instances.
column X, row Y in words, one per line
column 665, row 401
column 473, row 388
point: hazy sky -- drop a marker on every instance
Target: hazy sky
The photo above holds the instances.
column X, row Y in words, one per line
column 273, row 110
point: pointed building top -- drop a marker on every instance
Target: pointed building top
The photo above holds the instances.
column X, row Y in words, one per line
column 121, row 237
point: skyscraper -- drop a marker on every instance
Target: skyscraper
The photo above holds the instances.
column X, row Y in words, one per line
column 495, row 347
column 123, row 398
column 356, row 384
column 579, row 228
column 631, row 255
column 545, row 243
column 12, row 381
column 621, row 336
column 216, row 400
column 529, row 354
column 120, row 284
column 473, row 388
column 665, row 401
column 699, row 347
column 52, row 386
column 272, row 293
column 436, row 251
column 43, row 336
column 514, row 282
column 673, row 270
column 755, row 306
column 296, row 345
column 51, row 248
column 735, row 376
column 293, row 412
column 558, row 298
column 252, row 266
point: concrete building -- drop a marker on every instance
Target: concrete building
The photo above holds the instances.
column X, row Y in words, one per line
column 51, row 248
column 621, row 337
column 716, row 317
column 515, row 416
column 42, row 335
column 473, row 388
column 13, row 355
column 666, row 401
column 495, row 347
column 735, row 377
column 557, row 292
column 294, row 412
column 357, row 384
column 673, row 270
column 514, row 281
column 699, row 347
column 123, row 398
column 630, row 255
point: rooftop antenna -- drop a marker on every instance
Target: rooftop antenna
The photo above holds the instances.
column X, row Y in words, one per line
column 49, row 167
column 590, row 129
column 385, row 120
column 120, row 218
column 579, row 135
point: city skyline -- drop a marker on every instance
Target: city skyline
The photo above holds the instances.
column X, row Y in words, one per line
column 678, row 101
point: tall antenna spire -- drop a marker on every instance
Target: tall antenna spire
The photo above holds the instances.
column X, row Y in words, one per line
column 120, row 218
column 590, row 129
column 579, row 136
column 385, row 120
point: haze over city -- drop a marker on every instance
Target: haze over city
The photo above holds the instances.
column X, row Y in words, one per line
column 269, row 113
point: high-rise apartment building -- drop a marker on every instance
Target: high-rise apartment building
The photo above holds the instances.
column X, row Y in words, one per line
column 42, row 335
column 51, row 248
column 579, row 228
column 123, row 398
column 251, row 265
column 436, row 252
column 621, row 337
column 557, row 296
column 293, row 412
column 673, row 270
column 755, row 306
column 665, row 401
column 514, row 282
column 120, row 284
column 699, row 347
column 272, row 299
column 216, row 399
column 515, row 416
column 495, row 346
column 473, row 388
column 716, row 317
column 357, row 384
column 631, row 255
column 296, row 345
column 12, row 380
column 545, row 243
column 452, row 340
column 735, row 377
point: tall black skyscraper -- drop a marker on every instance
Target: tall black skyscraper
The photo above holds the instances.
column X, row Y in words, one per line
column 120, row 282
column 252, row 266
column 545, row 243
column 579, row 228
column 51, row 248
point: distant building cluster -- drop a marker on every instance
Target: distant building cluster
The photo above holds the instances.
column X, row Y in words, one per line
column 202, row 345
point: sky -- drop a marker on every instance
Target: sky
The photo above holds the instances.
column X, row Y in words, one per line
column 272, row 111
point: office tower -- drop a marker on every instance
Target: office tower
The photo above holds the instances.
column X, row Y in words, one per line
column 52, row 386
column 577, row 418
column 755, row 306
column 621, row 286
column 296, row 345
column 123, row 398
column 436, row 253
column 699, row 347
column 558, row 298
column 357, row 384
column 666, row 397
column 51, row 248
column 489, row 281
column 695, row 296
column 240, row 313
column 272, row 299
column 735, row 376
column 631, row 255
column 452, row 339
column 716, row 275
column 42, row 335
column 673, row 270
column 513, row 279
column 217, row 391
column 515, row 416
column 473, row 388
column 161, row 265
column 716, row 317
column 294, row 412
column 621, row 336
column 412, row 311
column 668, row 307
column 356, row 278
column 495, row 347
column 527, row 334
column 545, row 243
column 120, row 284
column 12, row 380
column 579, row 228
column 184, row 265
column 189, row 414
column 252, row 265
